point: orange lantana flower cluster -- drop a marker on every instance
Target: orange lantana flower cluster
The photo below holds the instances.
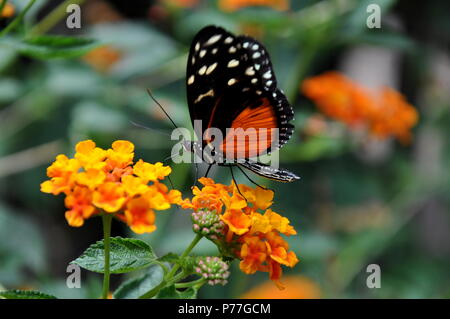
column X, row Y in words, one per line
column 233, row 5
column 385, row 113
column 252, row 230
column 98, row 180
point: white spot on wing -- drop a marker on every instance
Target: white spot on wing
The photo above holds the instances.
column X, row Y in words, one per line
column 256, row 55
column 254, row 80
column 214, row 51
column 255, row 47
column 202, row 53
column 232, row 49
column 250, row 71
column 231, row 81
column 202, row 70
column 211, row 68
column 213, row 39
column 197, row 46
column 191, row 79
column 267, row 75
column 228, row 40
column 233, row 63
column 245, row 45
column 201, row 96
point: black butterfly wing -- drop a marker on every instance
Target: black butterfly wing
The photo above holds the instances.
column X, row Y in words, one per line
column 230, row 82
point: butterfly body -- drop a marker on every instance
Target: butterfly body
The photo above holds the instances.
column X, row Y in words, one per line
column 232, row 92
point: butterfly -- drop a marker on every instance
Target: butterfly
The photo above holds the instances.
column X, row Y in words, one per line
column 231, row 84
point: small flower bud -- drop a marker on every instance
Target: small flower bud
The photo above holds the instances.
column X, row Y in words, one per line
column 208, row 224
column 213, row 269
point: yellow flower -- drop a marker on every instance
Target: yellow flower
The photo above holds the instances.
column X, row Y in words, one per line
column 121, row 155
column 91, row 178
column 134, row 185
column 97, row 179
column 90, row 156
column 62, row 172
column 151, row 172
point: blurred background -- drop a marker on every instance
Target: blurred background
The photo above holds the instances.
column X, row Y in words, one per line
column 367, row 195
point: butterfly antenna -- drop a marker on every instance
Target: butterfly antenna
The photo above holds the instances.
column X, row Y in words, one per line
column 161, row 107
column 149, row 128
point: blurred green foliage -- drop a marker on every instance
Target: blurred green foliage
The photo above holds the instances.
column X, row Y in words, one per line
column 351, row 207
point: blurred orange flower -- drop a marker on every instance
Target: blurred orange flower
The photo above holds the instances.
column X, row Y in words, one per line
column 252, row 231
column 102, row 58
column 296, row 287
column 233, row 5
column 385, row 113
column 8, row 11
column 98, row 180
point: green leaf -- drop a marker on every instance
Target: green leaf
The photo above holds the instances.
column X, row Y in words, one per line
column 170, row 258
column 127, row 255
column 172, row 293
column 51, row 46
column 136, row 287
column 24, row 294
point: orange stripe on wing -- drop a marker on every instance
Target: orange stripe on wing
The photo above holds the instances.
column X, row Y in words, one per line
column 253, row 132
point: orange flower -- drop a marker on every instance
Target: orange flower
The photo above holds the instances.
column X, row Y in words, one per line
column 62, row 172
column 233, row 5
column 140, row 216
column 385, row 113
column 102, row 58
column 394, row 116
column 109, row 196
column 296, row 287
column 97, row 179
column 252, row 231
column 8, row 11
column 80, row 204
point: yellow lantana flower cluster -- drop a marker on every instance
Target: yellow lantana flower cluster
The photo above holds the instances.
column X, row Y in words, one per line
column 253, row 231
column 98, row 180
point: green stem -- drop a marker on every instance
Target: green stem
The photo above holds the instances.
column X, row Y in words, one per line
column 107, row 218
column 185, row 253
column 53, row 17
column 170, row 276
column 190, row 283
column 14, row 23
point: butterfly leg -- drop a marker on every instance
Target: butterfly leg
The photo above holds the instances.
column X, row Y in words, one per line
column 235, row 183
column 252, row 181
column 207, row 171
column 196, row 174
